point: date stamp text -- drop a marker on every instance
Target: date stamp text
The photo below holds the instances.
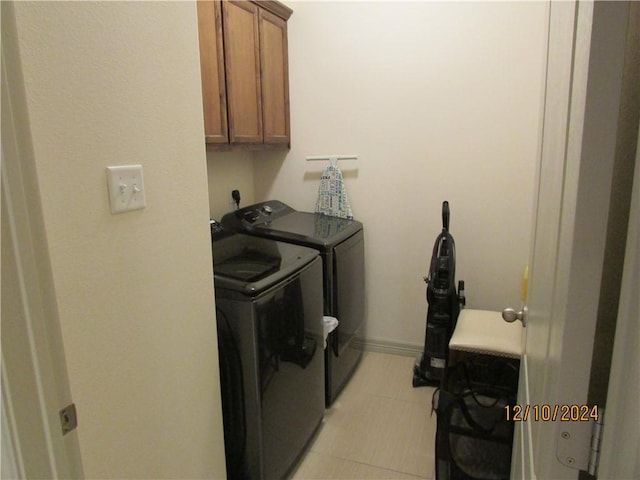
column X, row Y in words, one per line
column 551, row 413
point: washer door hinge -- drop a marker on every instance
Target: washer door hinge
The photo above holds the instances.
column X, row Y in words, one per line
column 68, row 418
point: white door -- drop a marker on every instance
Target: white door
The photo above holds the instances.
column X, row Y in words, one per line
column 578, row 142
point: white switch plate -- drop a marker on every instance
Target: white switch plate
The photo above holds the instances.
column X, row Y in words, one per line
column 126, row 188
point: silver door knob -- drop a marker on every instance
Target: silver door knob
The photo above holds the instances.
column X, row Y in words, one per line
column 510, row 315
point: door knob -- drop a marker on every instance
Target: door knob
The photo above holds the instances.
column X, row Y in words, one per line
column 510, row 315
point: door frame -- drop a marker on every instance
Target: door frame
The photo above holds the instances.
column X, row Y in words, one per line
column 35, row 384
column 622, row 413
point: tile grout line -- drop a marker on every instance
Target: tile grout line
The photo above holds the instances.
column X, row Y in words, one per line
column 372, row 376
column 377, row 467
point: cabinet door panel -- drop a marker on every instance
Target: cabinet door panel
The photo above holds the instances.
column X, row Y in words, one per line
column 214, row 96
column 242, row 63
column 275, row 78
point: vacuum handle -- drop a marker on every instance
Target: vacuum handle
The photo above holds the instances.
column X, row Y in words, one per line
column 445, row 216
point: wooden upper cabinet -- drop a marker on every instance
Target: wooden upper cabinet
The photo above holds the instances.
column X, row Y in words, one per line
column 242, row 63
column 254, row 93
column 275, row 78
column 214, row 94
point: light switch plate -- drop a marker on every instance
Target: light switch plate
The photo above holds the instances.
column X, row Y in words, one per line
column 126, row 188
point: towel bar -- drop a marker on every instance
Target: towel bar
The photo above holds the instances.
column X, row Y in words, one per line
column 329, row 157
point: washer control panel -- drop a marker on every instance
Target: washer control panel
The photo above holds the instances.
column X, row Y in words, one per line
column 258, row 214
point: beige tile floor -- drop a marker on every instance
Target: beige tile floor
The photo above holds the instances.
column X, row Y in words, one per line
column 380, row 427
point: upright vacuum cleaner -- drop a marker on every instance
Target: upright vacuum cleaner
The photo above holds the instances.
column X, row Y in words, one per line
column 444, row 306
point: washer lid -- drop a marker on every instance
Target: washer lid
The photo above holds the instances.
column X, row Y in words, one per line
column 274, row 219
column 312, row 228
column 251, row 265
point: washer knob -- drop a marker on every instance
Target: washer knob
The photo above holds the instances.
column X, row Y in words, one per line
column 267, row 209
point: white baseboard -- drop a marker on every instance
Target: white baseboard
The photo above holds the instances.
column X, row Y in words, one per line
column 391, row 348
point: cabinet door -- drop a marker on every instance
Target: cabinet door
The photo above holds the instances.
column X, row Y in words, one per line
column 214, row 96
column 242, row 62
column 275, row 78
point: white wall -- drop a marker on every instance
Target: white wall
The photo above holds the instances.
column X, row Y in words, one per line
column 440, row 101
column 109, row 84
column 228, row 171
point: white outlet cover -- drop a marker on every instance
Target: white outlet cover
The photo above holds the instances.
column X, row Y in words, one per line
column 126, row 188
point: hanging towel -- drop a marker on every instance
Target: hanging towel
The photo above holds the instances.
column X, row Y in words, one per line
column 332, row 196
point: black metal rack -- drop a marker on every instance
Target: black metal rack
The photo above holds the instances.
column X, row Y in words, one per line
column 474, row 433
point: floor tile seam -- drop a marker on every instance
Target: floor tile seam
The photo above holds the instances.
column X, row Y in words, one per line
column 371, row 465
column 402, row 399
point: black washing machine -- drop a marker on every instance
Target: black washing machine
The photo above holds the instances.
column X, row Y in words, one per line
column 270, row 339
column 341, row 246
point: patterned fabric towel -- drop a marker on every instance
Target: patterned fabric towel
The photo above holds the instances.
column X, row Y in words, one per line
column 332, row 196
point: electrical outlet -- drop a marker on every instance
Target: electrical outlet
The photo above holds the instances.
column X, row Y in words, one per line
column 126, row 188
column 235, row 198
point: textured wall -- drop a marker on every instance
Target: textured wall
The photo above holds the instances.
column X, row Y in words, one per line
column 441, row 101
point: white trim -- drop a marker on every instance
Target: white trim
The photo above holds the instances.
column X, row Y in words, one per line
column 11, row 462
column 12, row 465
column 33, row 349
column 27, row 303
